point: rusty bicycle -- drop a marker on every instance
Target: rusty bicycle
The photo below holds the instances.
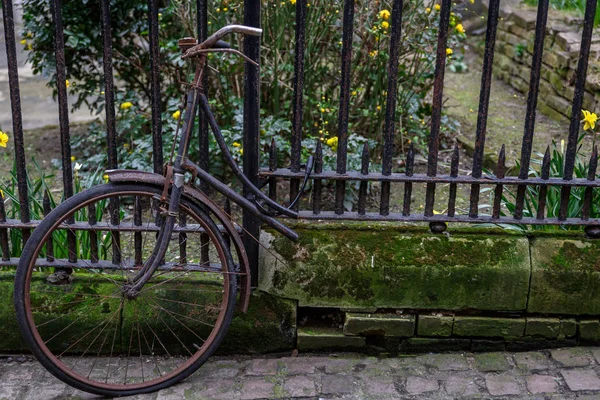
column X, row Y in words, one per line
column 129, row 287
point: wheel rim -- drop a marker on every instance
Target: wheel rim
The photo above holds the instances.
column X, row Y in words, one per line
column 139, row 355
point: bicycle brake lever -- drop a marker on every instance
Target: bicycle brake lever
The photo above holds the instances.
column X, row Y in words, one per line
column 309, row 167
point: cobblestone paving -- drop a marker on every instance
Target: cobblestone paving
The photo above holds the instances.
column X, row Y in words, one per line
column 572, row 373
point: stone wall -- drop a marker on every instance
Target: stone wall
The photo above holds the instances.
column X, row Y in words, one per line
column 514, row 53
column 404, row 289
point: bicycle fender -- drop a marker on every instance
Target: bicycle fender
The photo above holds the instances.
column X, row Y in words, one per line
column 150, row 178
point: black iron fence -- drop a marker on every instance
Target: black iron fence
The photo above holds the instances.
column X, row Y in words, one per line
column 319, row 208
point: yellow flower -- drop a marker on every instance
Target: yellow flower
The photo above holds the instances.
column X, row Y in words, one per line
column 428, row 10
column 3, row 139
column 1, row 194
column 384, row 14
column 73, row 158
column 437, row 7
column 385, row 25
column 242, row 151
column 105, row 177
column 176, row 114
column 29, row 47
column 29, row 35
column 378, row 108
column 449, row 52
column 293, row 2
column 333, row 143
column 126, row 106
column 322, row 110
column 236, row 144
column 67, row 83
column 354, row 93
column 373, row 53
column 23, row 42
column 460, row 28
column 472, row 1
column 590, row 119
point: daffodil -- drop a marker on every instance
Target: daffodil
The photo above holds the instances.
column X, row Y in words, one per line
column 77, row 167
column 384, row 14
column 460, row 28
column 333, row 143
column 3, row 139
column 176, row 115
column 126, row 106
column 589, row 119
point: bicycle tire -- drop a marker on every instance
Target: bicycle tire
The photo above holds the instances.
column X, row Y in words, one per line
column 30, row 318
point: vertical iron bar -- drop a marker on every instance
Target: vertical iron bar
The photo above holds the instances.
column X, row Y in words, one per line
column 318, row 185
column 589, row 191
column 109, row 88
column 584, row 55
column 63, row 115
column 298, row 93
column 157, row 145
column 362, row 194
column 93, row 234
column 137, row 236
column 454, row 174
column 273, row 167
column 410, row 163
column 484, row 101
column 534, row 84
column 436, row 117
column 252, row 11
column 17, row 117
column 4, row 245
column 227, row 209
column 49, row 242
column 500, row 172
column 183, row 240
column 544, row 188
column 390, row 108
column 342, row 150
column 203, row 162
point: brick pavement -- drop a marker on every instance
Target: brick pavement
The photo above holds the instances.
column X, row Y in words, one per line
column 549, row 374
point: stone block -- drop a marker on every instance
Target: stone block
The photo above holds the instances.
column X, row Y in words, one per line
column 542, row 384
column 589, row 330
column 549, row 111
column 378, row 266
column 568, row 327
column 574, row 357
column 567, row 39
column 424, row 345
column 502, row 385
column 564, row 277
column 358, row 324
column 581, row 379
column 521, row 32
column 328, row 339
column 435, row 325
column 491, row 362
column 489, row 327
column 543, row 327
column 525, row 19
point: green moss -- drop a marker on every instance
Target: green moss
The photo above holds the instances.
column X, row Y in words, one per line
column 384, row 268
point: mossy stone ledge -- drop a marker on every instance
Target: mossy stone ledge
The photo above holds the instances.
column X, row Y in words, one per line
column 388, row 268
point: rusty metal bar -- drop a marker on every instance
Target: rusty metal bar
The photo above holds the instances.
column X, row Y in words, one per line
column 17, row 117
column 362, row 192
column 109, row 88
column 297, row 102
column 182, row 239
column 4, row 245
column 534, row 84
column 396, row 217
column 589, row 191
column 423, row 178
column 390, row 108
column 203, row 134
column 318, row 185
column 93, row 234
column 484, row 102
column 410, row 163
column 544, row 189
column 273, row 167
column 571, row 153
column 137, row 236
column 157, row 147
column 49, row 242
column 94, row 226
column 453, row 186
column 342, row 150
column 252, row 11
column 500, row 173
column 438, row 91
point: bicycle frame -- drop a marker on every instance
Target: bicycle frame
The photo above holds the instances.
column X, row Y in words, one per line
column 181, row 164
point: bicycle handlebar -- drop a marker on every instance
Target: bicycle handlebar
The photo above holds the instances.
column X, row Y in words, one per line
column 226, row 30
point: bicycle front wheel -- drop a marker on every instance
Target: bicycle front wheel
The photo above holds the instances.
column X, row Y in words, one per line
column 74, row 313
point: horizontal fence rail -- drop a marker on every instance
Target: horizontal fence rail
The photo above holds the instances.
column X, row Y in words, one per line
column 329, row 188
